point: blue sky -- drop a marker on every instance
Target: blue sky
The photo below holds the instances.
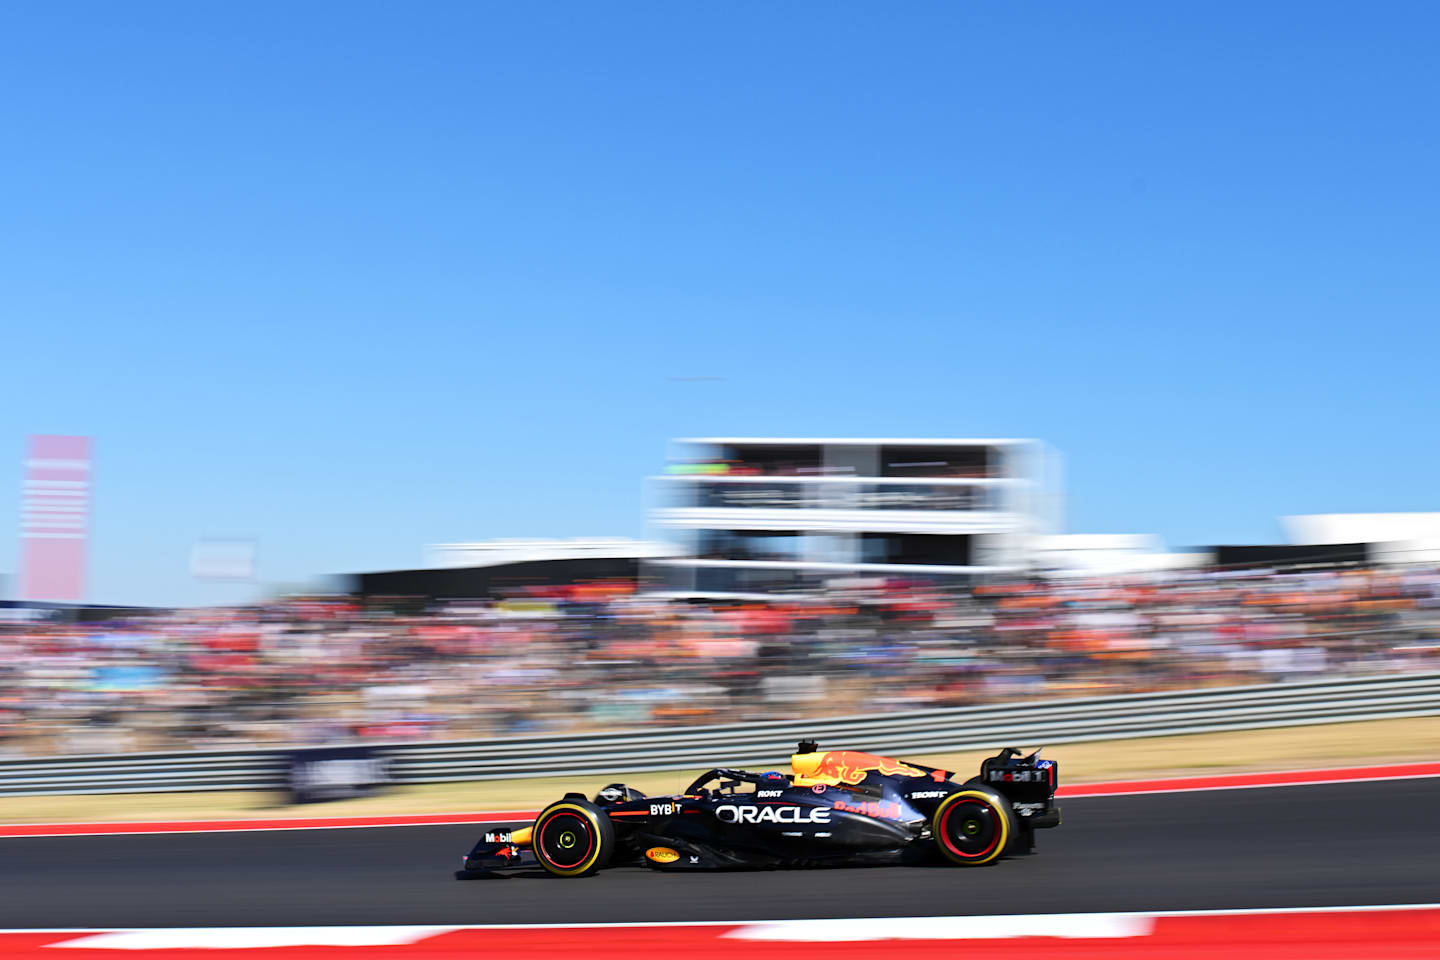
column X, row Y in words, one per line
column 350, row 278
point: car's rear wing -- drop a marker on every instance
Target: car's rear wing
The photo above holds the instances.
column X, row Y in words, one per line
column 1028, row 782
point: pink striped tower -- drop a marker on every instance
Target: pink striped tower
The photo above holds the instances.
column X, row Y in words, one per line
column 55, row 519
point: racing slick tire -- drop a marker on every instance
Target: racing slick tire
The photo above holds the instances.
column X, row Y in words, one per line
column 974, row 826
column 572, row 838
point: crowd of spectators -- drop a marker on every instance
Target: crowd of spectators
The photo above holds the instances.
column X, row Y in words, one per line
column 326, row 670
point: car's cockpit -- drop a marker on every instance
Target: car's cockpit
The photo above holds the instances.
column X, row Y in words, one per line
column 724, row 782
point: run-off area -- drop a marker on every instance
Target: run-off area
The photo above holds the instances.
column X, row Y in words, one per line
column 1401, row 931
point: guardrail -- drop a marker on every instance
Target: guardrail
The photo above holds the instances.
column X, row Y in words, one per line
column 765, row 743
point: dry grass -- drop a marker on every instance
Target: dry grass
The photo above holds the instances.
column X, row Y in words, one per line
column 1372, row 742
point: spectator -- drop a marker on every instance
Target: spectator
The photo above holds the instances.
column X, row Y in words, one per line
column 310, row 670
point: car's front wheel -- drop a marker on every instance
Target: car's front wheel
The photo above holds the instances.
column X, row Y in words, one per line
column 572, row 838
column 974, row 826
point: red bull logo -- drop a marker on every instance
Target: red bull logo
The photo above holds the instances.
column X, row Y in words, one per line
column 882, row 809
column 846, row 766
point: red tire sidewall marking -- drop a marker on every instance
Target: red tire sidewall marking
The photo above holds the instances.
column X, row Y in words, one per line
column 589, row 836
column 945, row 834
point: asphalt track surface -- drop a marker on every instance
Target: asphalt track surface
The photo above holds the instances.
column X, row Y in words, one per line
column 1339, row 844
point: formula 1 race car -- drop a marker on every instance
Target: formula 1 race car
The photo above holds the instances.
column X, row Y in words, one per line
column 836, row 807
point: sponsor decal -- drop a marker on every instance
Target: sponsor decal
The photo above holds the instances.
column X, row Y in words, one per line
column 498, row 836
column 1018, row 776
column 749, row 813
column 848, row 766
column 610, row 794
column 335, row 773
column 817, row 788
column 662, row 855
column 884, row 809
column 694, row 859
column 768, row 793
column 507, row 852
column 929, row 794
column 320, row 774
column 1028, row 809
column 664, row 809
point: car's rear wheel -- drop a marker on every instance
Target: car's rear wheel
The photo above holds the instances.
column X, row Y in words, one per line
column 973, row 827
column 572, row 838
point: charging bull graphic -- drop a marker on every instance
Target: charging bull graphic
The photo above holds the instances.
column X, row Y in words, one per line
column 835, row 767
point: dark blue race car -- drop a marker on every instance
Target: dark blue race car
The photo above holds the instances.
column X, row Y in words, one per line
column 835, row 807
